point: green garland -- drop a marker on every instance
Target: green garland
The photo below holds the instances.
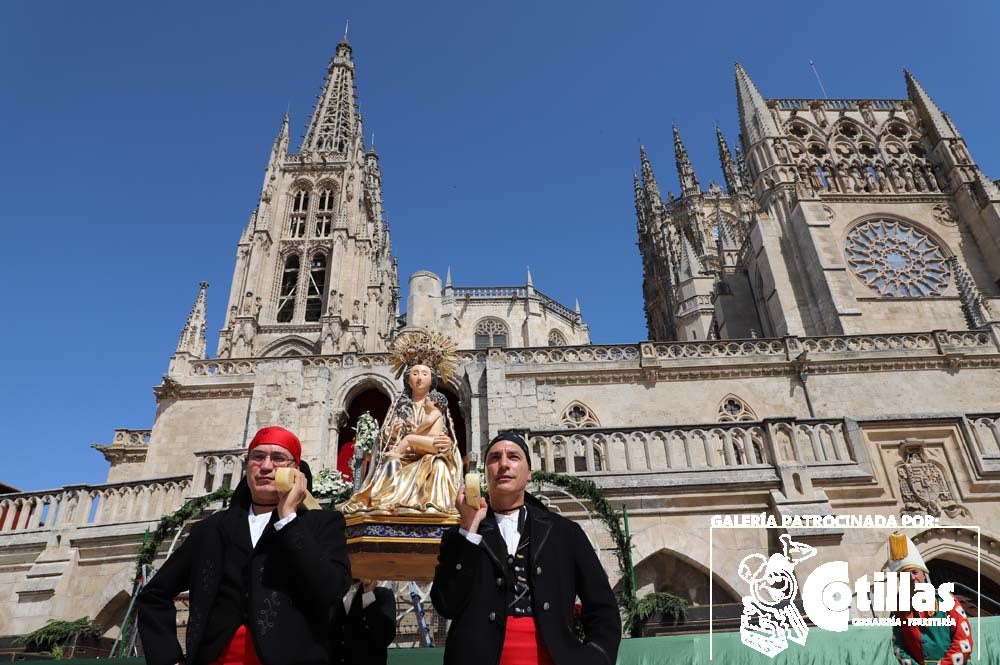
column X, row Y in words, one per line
column 170, row 523
column 55, row 633
column 151, row 544
column 636, row 611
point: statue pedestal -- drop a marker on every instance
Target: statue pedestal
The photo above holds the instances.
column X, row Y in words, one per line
column 395, row 547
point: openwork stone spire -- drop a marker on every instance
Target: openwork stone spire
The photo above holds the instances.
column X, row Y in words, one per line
column 648, row 177
column 689, row 265
column 755, row 119
column 278, row 153
column 940, row 126
column 685, row 171
column 640, row 211
column 974, row 305
column 336, row 125
column 192, row 339
column 729, row 168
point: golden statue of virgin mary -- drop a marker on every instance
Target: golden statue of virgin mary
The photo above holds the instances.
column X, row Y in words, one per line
column 416, row 468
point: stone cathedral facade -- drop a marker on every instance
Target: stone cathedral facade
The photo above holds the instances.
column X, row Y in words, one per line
column 823, row 338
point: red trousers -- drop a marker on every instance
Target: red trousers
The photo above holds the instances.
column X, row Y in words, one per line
column 240, row 650
column 521, row 644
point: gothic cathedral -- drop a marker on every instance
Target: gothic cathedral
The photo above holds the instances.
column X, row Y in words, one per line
column 823, row 338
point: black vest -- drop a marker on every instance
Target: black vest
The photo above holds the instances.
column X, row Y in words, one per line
column 519, row 570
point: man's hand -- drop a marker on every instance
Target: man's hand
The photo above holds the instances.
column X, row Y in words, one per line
column 471, row 517
column 290, row 502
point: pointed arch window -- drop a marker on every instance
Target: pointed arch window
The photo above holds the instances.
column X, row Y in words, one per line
column 577, row 415
column 324, row 212
column 556, row 338
column 289, row 285
column 733, row 409
column 300, row 211
column 750, row 448
column 491, row 333
column 316, row 287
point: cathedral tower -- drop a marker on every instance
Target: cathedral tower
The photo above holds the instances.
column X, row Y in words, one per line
column 687, row 243
column 314, row 267
column 874, row 218
column 840, row 216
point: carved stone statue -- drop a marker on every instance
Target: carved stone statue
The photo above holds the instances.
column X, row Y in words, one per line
column 247, row 304
column 334, row 303
column 780, row 150
column 960, row 153
column 417, row 468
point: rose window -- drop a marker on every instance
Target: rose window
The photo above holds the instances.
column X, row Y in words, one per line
column 896, row 259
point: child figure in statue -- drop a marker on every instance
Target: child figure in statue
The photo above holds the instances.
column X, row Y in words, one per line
column 420, row 437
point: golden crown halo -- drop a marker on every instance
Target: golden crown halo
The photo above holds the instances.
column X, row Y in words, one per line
column 422, row 347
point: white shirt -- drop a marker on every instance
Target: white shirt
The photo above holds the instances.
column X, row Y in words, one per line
column 259, row 522
column 367, row 598
column 508, row 530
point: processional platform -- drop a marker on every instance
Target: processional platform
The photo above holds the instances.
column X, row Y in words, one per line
column 395, row 547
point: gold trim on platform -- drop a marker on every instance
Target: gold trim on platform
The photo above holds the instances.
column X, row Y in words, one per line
column 392, row 539
column 367, row 518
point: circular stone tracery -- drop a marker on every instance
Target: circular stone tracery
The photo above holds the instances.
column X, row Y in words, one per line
column 896, row 259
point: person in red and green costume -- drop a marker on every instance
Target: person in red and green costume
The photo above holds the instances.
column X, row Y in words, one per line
column 926, row 645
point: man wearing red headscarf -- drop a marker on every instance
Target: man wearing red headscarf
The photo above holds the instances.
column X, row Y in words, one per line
column 264, row 575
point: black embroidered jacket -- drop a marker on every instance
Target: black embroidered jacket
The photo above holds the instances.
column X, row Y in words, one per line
column 284, row 589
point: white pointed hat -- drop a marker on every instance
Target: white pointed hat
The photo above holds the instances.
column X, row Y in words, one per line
column 904, row 555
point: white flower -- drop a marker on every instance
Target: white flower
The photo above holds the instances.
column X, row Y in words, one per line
column 330, row 484
column 366, row 433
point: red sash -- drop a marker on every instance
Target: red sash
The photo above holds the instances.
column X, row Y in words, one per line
column 521, row 644
column 239, row 651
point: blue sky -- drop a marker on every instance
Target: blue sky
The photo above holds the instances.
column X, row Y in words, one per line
column 136, row 135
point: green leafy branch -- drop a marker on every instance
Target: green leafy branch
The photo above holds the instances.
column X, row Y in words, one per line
column 636, row 611
column 170, row 523
column 57, row 632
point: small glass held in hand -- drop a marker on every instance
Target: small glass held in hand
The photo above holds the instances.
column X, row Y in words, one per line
column 472, row 480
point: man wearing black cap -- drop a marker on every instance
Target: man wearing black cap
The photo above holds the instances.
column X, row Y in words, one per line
column 509, row 575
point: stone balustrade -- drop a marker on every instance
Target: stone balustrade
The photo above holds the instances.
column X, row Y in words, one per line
column 763, row 348
column 840, row 104
column 557, row 307
column 348, row 360
column 692, row 447
column 573, row 354
column 488, row 292
column 132, row 437
column 88, row 505
column 511, row 292
column 784, row 349
column 216, row 469
column 223, row 367
column 698, row 301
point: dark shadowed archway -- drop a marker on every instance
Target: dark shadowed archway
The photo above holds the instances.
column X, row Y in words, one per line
column 457, row 416
column 371, row 400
